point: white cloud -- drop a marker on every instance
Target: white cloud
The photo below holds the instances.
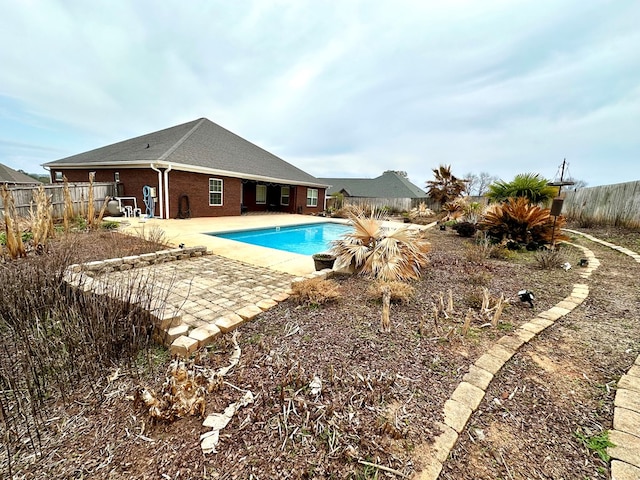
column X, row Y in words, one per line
column 353, row 87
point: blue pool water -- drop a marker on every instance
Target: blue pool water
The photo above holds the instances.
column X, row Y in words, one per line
column 304, row 239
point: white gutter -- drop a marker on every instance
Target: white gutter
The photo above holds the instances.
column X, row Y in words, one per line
column 166, row 189
column 159, row 187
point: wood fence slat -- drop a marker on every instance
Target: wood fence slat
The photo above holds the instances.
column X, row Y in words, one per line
column 23, row 197
column 617, row 204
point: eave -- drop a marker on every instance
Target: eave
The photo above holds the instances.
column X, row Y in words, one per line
column 184, row 168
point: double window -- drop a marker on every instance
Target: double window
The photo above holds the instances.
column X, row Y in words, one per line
column 215, row 192
column 312, row 197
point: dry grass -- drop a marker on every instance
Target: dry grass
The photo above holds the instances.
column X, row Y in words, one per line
column 401, row 292
column 315, row 291
column 549, row 259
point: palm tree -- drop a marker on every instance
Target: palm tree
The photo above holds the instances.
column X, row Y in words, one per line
column 528, row 185
column 381, row 253
column 446, row 187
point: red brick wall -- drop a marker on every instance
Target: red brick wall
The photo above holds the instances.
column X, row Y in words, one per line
column 299, row 199
column 196, row 187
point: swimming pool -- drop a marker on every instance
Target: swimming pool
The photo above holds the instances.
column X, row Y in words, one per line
column 305, row 239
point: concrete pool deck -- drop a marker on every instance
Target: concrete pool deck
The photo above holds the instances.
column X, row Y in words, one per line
column 193, row 232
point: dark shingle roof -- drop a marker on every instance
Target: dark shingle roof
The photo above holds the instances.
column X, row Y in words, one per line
column 199, row 145
column 387, row 185
column 9, row 175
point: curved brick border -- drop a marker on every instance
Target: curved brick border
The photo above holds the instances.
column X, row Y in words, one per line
column 467, row 396
column 625, row 463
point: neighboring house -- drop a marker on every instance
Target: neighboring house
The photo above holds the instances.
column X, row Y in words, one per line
column 13, row 177
column 388, row 190
column 197, row 169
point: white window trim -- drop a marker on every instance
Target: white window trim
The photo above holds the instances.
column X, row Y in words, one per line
column 282, row 197
column 261, row 202
column 312, row 200
column 221, row 192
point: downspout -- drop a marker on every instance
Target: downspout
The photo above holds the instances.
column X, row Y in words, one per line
column 166, row 189
column 159, row 187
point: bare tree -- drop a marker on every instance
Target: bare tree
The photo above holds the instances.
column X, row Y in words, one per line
column 478, row 184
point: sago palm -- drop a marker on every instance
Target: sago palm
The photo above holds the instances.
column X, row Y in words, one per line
column 381, row 253
column 520, row 221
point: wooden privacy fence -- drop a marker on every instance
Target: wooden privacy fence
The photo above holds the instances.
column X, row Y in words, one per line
column 395, row 204
column 617, row 204
column 23, row 197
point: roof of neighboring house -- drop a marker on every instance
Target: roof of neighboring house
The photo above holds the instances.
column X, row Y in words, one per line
column 9, row 175
column 197, row 146
column 388, row 185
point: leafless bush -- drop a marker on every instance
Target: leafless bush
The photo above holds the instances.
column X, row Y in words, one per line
column 55, row 339
column 315, row 291
column 154, row 235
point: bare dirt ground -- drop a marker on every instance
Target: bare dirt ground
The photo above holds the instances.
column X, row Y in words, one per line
column 382, row 394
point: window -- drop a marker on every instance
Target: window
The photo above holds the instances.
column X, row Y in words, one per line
column 58, row 176
column 284, row 196
column 215, row 192
column 116, row 177
column 261, row 194
column 312, row 197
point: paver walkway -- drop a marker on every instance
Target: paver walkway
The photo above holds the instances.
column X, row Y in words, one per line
column 207, row 287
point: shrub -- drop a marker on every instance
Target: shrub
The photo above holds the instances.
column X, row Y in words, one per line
column 549, row 259
column 401, row 292
column 315, row 291
column 475, row 253
column 54, row 338
column 154, row 235
column 465, row 229
column 521, row 222
column 502, row 253
column 480, row 279
column 110, row 225
column 473, row 298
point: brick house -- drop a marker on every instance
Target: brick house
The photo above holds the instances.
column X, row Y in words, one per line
column 197, row 169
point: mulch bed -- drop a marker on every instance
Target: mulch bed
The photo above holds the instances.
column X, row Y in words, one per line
column 382, row 394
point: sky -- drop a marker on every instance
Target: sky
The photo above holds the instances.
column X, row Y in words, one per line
column 340, row 88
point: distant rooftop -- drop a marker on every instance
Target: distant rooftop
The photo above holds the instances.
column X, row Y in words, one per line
column 388, row 185
column 9, row 175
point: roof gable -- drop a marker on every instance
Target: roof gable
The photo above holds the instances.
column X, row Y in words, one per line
column 9, row 175
column 199, row 145
column 387, row 185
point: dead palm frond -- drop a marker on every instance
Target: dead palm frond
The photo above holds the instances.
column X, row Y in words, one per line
column 379, row 252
